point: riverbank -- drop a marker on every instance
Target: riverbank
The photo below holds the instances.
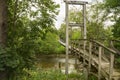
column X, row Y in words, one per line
column 52, row 67
column 53, row 55
column 49, row 74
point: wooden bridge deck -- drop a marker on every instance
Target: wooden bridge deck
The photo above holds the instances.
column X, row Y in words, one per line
column 100, row 62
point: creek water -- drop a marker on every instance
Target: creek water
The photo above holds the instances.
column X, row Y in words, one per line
column 58, row 62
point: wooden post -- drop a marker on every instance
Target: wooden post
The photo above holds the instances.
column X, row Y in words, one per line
column 85, row 72
column 67, row 40
column 99, row 64
column 70, row 39
column 111, row 44
column 59, row 66
column 90, row 57
column 84, row 18
column 75, row 58
column 111, row 66
column 84, row 34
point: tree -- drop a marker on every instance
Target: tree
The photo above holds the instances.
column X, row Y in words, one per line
column 26, row 27
column 62, row 32
column 96, row 26
column 112, row 7
column 3, row 21
column 113, row 10
column 50, row 45
column 3, row 29
column 74, row 33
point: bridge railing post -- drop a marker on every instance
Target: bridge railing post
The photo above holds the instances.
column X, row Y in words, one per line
column 67, row 38
column 111, row 66
column 99, row 64
column 90, row 57
column 84, row 50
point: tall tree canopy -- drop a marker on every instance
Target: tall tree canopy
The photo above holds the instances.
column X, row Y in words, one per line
column 28, row 23
column 113, row 9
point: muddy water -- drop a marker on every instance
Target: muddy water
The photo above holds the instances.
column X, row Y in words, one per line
column 58, row 62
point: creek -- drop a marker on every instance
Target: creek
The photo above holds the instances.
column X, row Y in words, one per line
column 58, row 62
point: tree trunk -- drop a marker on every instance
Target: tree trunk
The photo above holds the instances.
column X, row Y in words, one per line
column 3, row 26
column 3, row 21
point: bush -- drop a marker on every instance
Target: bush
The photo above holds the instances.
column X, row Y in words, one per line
column 41, row 74
column 47, row 74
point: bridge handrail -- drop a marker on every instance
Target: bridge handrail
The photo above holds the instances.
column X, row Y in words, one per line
column 111, row 50
column 61, row 42
column 100, row 44
column 99, row 39
column 116, row 40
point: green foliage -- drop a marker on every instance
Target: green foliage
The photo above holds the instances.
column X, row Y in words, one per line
column 76, row 76
column 2, row 56
column 50, row 44
column 28, row 24
column 75, row 15
column 113, row 4
column 113, row 7
column 75, row 34
column 96, row 26
column 92, row 77
column 97, row 31
column 62, row 31
column 7, row 60
column 118, row 60
column 49, row 74
column 40, row 74
column 95, row 23
column 116, row 30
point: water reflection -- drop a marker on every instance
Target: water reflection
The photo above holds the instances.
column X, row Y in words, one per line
column 57, row 63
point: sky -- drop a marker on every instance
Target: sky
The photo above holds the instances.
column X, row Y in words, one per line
column 60, row 18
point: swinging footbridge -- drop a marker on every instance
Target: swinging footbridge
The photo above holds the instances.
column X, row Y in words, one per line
column 98, row 59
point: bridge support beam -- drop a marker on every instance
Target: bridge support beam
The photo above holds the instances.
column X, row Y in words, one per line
column 84, row 31
column 67, row 39
column 67, row 3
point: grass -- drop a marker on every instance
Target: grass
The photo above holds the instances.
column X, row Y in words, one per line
column 48, row 74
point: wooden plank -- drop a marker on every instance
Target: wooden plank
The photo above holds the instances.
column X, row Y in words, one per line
column 116, row 73
column 116, row 40
column 62, row 43
column 76, row 24
column 73, row 2
column 111, row 50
